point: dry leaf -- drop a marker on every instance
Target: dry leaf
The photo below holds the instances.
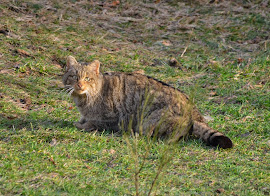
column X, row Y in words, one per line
column 88, row 167
column 212, row 93
column 51, row 160
column 115, row 3
column 258, row 86
column 166, row 43
column 4, row 71
column 53, row 175
column 112, row 151
column 140, row 71
column 236, row 76
column 240, row 60
column 104, row 50
column 227, row 118
column 57, row 65
column 245, row 118
column 212, row 62
column 23, row 52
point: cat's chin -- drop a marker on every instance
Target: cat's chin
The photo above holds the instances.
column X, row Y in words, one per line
column 81, row 92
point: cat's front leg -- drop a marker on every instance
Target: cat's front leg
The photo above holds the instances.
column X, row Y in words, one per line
column 85, row 125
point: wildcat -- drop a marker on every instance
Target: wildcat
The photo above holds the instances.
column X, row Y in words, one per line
column 122, row 101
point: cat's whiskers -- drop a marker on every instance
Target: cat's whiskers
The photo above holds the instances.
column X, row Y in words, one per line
column 64, row 89
column 67, row 88
column 70, row 92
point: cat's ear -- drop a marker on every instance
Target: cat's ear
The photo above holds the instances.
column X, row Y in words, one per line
column 71, row 62
column 95, row 65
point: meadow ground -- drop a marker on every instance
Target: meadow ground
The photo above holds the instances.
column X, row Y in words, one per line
column 218, row 52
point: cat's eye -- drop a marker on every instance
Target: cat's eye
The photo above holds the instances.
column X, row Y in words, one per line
column 74, row 77
column 87, row 79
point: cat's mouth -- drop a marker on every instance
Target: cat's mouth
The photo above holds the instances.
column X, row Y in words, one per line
column 81, row 91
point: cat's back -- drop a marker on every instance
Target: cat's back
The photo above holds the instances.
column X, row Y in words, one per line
column 136, row 83
column 115, row 78
column 119, row 85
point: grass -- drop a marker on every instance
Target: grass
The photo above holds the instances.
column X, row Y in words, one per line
column 225, row 69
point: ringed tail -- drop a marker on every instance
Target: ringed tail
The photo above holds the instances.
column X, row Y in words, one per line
column 211, row 136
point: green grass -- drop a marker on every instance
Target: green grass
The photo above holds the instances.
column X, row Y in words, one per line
column 225, row 69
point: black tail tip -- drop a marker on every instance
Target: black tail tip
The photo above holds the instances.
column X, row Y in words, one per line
column 221, row 141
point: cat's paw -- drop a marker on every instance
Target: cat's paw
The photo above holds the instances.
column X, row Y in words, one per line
column 84, row 126
column 78, row 125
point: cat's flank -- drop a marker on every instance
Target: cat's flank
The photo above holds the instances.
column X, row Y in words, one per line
column 125, row 101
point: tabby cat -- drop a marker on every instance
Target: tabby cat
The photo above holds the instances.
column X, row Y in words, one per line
column 132, row 101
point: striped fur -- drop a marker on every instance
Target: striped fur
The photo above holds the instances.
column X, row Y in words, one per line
column 122, row 101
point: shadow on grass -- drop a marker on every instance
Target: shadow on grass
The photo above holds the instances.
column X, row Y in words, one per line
column 31, row 124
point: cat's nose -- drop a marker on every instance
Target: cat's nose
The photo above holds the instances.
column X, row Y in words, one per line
column 79, row 85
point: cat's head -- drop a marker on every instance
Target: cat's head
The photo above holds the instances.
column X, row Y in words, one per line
column 82, row 79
